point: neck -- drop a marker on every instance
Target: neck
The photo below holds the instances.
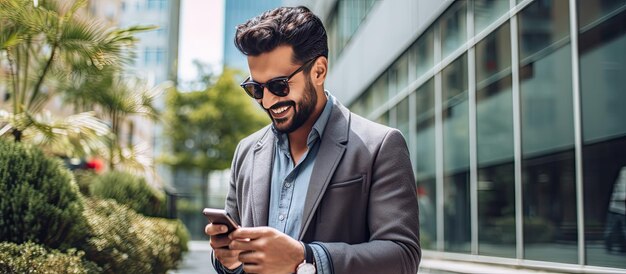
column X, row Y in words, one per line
column 298, row 138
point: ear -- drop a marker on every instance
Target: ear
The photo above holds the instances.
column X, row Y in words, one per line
column 319, row 70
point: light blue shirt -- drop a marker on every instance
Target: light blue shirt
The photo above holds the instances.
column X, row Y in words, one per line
column 290, row 184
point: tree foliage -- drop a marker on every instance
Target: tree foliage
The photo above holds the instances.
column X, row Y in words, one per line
column 205, row 126
column 50, row 51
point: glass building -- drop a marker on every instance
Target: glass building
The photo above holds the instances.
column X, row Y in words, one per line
column 515, row 115
column 235, row 13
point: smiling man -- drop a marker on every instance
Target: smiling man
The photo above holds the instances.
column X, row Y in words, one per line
column 320, row 190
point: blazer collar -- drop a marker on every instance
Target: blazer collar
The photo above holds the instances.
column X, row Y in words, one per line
column 331, row 150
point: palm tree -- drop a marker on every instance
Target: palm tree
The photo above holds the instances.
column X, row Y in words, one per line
column 46, row 47
column 117, row 98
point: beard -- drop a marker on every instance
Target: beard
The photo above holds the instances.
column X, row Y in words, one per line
column 302, row 111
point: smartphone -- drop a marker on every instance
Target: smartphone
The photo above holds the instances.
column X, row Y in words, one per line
column 220, row 216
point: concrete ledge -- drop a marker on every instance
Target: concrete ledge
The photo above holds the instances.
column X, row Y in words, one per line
column 450, row 266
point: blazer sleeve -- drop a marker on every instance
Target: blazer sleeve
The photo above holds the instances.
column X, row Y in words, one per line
column 392, row 219
column 231, row 208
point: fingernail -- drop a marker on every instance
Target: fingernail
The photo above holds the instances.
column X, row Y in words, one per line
column 224, row 229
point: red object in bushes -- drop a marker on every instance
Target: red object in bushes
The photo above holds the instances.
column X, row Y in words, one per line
column 95, row 164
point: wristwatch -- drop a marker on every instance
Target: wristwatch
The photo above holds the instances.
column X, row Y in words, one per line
column 308, row 265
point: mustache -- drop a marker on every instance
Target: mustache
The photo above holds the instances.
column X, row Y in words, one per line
column 282, row 104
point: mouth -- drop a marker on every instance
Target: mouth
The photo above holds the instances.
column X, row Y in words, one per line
column 280, row 110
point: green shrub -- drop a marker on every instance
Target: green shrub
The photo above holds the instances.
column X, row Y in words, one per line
column 33, row 258
column 39, row 200
column 83, row 180
column 182, row 233
column 129, row 190
column 123, row 241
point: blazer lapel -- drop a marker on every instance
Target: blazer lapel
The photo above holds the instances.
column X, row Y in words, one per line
column 331, row 150
column 261, row 174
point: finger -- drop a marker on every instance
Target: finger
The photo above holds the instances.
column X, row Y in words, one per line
column 219, row 241
column 244, row 245
column 250, row 232
column 250, row 257
column 252, row 268
column 215, row 229
column 223, row 254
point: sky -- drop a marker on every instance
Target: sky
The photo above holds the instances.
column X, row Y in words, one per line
column 201, row 36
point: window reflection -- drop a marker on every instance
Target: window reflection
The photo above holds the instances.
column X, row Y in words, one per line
column 602, row 41
column 402, row 118
column 548, row 174
column 399, row 75
column 494, row 137
column 453, row 28
column 423, row 53
column 487, row 11
column 425, row 163
column 456, row 156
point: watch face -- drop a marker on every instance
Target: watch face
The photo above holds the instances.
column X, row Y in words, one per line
column 306, row 269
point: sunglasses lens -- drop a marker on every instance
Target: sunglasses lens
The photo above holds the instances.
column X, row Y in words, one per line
column 254, row 90
column 278, row 87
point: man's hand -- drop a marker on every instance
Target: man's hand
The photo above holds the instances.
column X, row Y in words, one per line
column 219, row 242
column 266, row 250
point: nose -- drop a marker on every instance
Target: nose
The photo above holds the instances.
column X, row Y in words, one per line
column 269, row 99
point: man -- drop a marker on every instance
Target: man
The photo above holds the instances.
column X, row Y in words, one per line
column 320, row 190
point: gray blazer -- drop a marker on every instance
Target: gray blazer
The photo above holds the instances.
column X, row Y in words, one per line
column 361, row 205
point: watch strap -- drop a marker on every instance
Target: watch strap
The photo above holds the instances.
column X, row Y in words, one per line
column 308, row 254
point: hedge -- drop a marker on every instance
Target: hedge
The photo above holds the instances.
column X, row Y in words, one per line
column 130, row 190
column 39, row 200
column 123, row 241
column 32, row 258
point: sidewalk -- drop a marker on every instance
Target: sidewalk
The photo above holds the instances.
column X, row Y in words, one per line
column 197, row 260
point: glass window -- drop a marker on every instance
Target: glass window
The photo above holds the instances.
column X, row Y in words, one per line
column 379, row 92
column 453, row 28
column 345, row 20
column 548, row 172
column 148, row 56
column 399, row 75
column 602, row 41
column 456, row 156
column 423, row 55
column 494, row 143
column 160, row 56
column 488, row 11
column 546, row 24
column 402, row 118
column 383, row 119
column 425, row 160
column 590, row 13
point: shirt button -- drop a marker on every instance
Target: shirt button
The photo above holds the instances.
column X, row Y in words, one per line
column 287, row 185
column 281, row 217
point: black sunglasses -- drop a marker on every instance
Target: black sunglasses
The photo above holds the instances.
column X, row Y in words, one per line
column 278, row 86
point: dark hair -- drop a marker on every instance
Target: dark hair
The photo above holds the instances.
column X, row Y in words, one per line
column 297, row 27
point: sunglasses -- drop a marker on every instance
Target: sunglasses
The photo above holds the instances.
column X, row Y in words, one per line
column 278, row 86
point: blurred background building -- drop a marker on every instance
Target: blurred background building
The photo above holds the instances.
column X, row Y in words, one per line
column 235, row 13
column 155, row 63
column 514, row 115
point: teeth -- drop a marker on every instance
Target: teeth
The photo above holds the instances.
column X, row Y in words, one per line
column 279, row 110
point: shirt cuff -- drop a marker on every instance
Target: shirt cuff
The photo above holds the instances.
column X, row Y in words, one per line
column 322, row 261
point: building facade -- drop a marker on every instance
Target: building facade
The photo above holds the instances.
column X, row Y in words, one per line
column 514, row 115
column 155, row 63
column 235, row 13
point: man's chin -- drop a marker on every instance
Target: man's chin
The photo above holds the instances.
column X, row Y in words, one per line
column 282, row 125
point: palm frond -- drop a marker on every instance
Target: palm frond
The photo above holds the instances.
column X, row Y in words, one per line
column 78, row 135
